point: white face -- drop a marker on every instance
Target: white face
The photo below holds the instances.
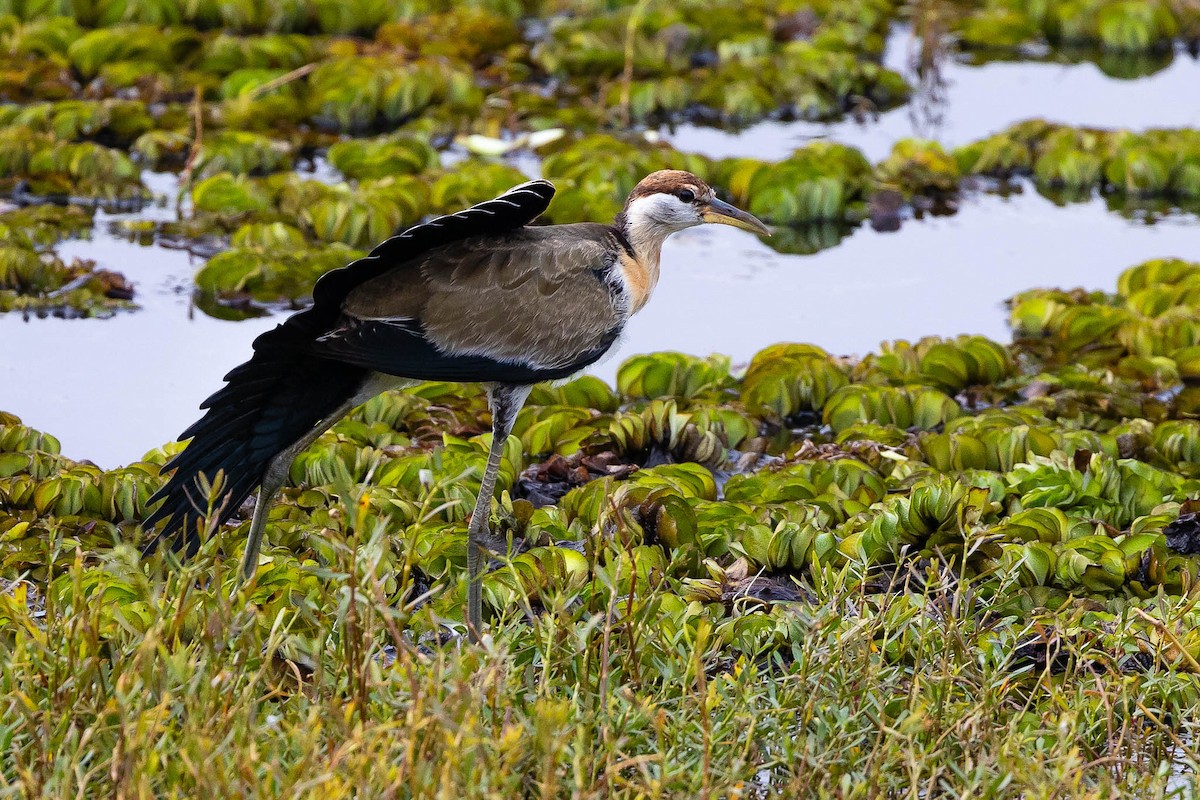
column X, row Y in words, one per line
column 662, row 212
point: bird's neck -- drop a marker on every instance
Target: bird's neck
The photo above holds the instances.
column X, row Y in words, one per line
column 640, row 263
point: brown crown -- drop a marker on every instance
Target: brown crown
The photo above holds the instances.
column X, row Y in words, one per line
column 668, row 181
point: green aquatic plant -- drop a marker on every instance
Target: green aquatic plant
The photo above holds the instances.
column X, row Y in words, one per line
column 1126, row 26
column 368, row 159
column 162, row 150
column 41, row 227
column 667, row 98
column 791, row 545
column 45, row 36
column 41, row 283
column 1116, row 26
column 143, row 47
column 54, row 167
column 226, row 53
column 230, row 196
column 788, row 379
column 947, row 364
column 110, row 122
column 469, row 33
column 1071, row 160
column 241, row 153
column 662, row 432
column 535, row 576
column 994, row 440
column 361, row 93
column 658, row 375
column 938, row 517
column 903, row 406
column 919, row 167
column 1000, row 156
column 820, row 83
column 269, row 275
column 840, row 487
column 998, row 27
column 1156, row 272
column 357, row 216
column 822, row 181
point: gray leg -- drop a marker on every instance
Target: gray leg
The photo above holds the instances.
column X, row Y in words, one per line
column 272, row 482
column 506, row 400
column 277, row 470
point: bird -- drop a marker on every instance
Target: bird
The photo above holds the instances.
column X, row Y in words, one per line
column 481, row 296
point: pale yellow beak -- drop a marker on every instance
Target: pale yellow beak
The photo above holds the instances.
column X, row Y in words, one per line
column 722, row 213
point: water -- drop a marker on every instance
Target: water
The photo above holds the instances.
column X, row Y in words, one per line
column 975, row 102
column 723, row 291
column 113, row 389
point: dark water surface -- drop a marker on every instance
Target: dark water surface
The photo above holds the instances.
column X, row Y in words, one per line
column 112, row 389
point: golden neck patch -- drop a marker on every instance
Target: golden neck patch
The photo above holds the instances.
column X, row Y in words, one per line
column 640, row 276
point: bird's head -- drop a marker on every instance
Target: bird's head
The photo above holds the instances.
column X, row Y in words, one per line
column 670, row 200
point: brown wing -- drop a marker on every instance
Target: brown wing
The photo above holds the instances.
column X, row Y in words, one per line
column 535, row 299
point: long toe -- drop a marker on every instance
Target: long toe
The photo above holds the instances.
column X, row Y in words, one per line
column 493, row 546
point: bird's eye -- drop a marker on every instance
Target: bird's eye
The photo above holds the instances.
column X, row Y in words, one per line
column 686, row 195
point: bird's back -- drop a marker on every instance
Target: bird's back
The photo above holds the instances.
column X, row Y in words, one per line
column 541, row 296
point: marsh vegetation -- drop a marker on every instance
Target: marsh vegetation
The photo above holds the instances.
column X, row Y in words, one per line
column 953, row 565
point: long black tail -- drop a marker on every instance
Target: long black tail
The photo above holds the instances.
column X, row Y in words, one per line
column 268, row 404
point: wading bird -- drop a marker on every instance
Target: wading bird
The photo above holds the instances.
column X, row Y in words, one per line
column 477, row 296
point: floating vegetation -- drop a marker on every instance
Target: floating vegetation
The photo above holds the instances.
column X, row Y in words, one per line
column 44, row 165
column 1116, row 26
column 115, row 123
column 918, row 168
column 358, row 216
column 241, row 153
column 263, row 69
column 39, row 283
column 369, row 159
column 270, row 266
column 727, row 62
column 1072, row 163
column 817, row 183
column 1146, row 332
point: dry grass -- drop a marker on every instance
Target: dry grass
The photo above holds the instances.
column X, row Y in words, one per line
column 133, row 686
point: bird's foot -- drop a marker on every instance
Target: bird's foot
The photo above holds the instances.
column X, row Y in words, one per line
column 492, row 546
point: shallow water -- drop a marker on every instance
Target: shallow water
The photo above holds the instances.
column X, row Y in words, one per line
column 111, row 389
column 977, row 101
column 723, row 291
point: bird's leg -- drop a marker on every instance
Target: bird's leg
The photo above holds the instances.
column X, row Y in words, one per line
column 506, row 400
column 271, row 484
column 277, row 470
